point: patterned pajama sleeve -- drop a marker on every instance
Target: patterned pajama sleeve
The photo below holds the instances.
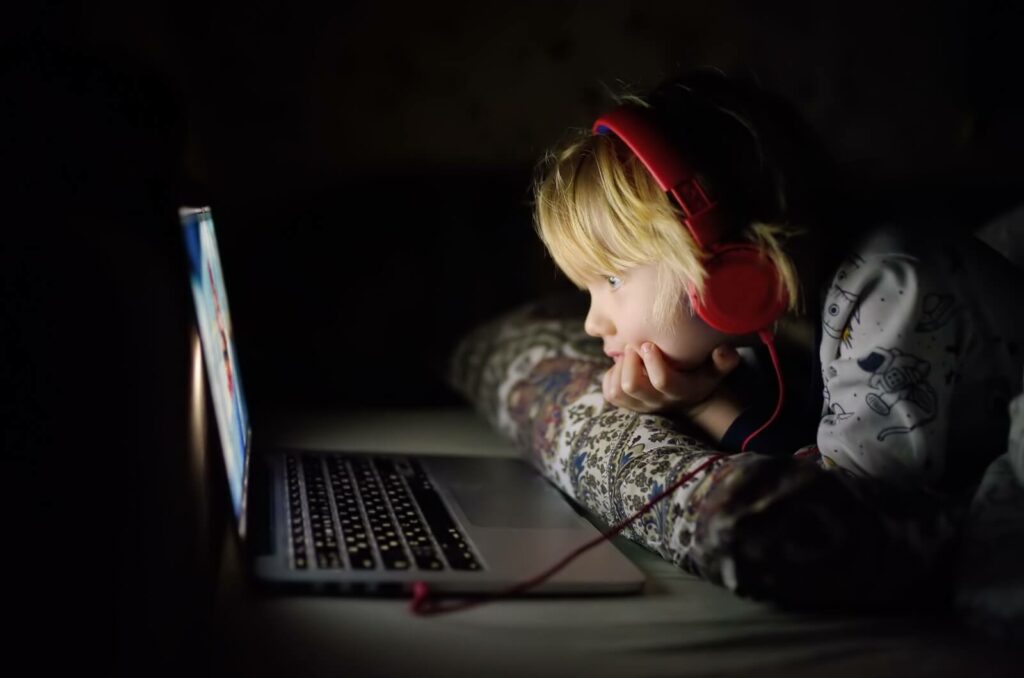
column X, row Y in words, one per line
column 889, row 359
column 764, row 527
column 893, row 336
column 920, row 358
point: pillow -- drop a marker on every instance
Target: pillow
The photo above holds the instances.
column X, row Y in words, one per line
column 785, row 530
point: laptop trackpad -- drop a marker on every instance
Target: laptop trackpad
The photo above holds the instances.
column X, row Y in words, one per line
column 505, row 493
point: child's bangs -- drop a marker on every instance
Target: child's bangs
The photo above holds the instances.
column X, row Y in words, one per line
column 595, row 212
column 576, row 238
column 634, row 208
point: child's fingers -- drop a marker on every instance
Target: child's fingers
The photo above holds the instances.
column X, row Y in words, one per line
column 634, row 377
column 706, row 378
column 658, row 371
column 725, row 359
column 606, row 381
column 611, row 387
column 690, row 386
column 685, row 387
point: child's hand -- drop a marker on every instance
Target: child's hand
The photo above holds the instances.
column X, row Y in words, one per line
column 645, row 382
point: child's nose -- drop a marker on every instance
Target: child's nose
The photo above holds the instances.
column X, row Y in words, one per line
column 597, row 324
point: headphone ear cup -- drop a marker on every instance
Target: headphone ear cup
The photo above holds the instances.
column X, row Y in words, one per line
column 742, row 290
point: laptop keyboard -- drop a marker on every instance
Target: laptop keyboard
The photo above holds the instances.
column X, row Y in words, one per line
column 369, row 513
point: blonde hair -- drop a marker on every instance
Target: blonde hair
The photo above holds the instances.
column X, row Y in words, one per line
column 599, row 212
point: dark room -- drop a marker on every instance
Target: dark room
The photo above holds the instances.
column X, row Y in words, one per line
column 565, row 338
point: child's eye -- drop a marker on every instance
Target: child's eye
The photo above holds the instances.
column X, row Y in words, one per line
column 614, row 280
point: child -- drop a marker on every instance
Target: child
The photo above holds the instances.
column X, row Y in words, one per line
column 898, row 348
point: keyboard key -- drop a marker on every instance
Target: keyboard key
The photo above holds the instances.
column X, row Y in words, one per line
column 369, row 512
column 321, row 517
column 451, row 540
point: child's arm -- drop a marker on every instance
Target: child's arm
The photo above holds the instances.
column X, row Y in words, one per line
column 718, row 413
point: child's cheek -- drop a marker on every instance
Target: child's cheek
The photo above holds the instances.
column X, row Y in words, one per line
column 692, row 348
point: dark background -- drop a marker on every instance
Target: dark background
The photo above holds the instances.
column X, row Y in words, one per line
column 369, row 164
column 369, row 168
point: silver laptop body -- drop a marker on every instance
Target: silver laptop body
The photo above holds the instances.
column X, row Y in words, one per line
column 350, row 522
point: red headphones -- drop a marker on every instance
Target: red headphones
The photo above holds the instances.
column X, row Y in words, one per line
column 742, row 293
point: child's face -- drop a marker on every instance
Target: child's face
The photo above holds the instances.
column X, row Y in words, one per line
column 621, row 313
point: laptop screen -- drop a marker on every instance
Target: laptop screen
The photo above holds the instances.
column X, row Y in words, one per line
column 214, row 321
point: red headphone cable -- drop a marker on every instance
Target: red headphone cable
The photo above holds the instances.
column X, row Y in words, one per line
column 769, row 340
column 422, row 604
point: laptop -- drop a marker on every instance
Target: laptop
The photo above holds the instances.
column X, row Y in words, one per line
column 348, row 522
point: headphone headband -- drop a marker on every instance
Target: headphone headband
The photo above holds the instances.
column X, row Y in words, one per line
column 636, row 128
column 742, row 291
